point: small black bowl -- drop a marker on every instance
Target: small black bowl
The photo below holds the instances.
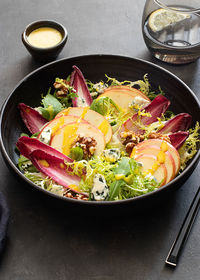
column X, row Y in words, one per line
column 44, row 54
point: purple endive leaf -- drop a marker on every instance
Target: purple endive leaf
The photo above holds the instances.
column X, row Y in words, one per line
column 56, row 169
column 156, row 108
column 32, row 118
column 177, row 139
column 180, row 122
column 27, row 145
column 78, row 83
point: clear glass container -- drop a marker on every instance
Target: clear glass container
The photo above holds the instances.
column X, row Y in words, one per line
column 171, row 29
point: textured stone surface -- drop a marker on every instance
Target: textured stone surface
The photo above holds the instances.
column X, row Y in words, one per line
column 47, row 242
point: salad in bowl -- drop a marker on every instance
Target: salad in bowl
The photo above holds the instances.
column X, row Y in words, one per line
column 104, row 141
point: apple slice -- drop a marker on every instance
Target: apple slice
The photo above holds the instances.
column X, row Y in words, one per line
column 156, row 143
column 123, row 96
column 90, row 116
column 156, row 151
column 55, row 124
column 133, row 91
column 65, row 136
column 148, row 161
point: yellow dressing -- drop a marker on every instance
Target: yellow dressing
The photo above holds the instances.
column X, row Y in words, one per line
column 69, row 135
column 104, row 127
column 59, row 123
column 85, row 110
column 62, row 165
column 43, row 162
column 164, row 146
column 74, row 187
column 44, row 37
column 119, row 176
column 160, row 158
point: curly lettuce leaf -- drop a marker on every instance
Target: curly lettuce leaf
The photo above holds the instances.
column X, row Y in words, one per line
column 189, row 148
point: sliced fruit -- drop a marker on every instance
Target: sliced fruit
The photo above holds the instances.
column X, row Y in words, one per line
column 162, row 18
column 32, row 118
column 133, row 91
column 148, row 163
column 57, row 123
column 78, row 82
column 166, row 147
column 64, row 137
column 90, row 116
column 156, row 108
column 123, row 96
column 163, row 156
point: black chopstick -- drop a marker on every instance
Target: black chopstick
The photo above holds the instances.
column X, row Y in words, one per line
column 174, row 253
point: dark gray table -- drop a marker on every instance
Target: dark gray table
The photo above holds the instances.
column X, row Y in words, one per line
column 46, row 242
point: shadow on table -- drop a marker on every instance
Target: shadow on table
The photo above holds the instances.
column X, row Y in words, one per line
column 185, row 72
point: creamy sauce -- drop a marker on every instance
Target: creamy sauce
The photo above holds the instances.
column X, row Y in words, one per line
column 70, row 134
column 44, row 37
column 104, row 126
column 43, row 162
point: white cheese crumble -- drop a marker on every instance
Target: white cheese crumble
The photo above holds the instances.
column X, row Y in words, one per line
column 81, row 102
column 100, row 189
column 111, row 155
column 45, row 136
column 57, row 189
column 100, row 87
column 138, row 100
column 150, row 177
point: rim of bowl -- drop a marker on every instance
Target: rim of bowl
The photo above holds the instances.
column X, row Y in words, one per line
column 100, row 203
column 44, row 23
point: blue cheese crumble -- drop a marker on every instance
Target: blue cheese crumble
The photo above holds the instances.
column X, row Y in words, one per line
column 111, row 155
column 45, row 136
column 81, row 102
column 100, row 189
column 138, row 102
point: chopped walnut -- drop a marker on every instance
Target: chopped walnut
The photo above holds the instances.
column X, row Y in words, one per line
column 62, row 89
column 70, row 194
column 88, row 145
column 129, row 147
column 157, row 135
column 130, row 139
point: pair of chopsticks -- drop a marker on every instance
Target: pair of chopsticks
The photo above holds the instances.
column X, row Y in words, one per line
column 174, row 253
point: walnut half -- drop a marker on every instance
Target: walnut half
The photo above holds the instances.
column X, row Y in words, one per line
column 62, row 88
column 88, row 145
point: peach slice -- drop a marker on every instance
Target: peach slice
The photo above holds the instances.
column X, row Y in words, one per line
column 90, row 116
column 148, row 161
column 166, row 157
column 65, row 136
column 123, row 96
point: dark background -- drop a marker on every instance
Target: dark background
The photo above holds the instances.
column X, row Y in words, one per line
column 50, row 242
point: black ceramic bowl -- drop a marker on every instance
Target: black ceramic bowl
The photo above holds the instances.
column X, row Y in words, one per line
column 94, row 68
column 45, row 54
